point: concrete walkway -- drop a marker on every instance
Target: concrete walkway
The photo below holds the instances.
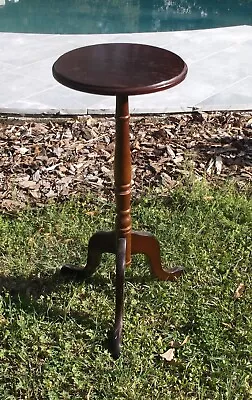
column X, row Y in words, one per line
column 219, row 78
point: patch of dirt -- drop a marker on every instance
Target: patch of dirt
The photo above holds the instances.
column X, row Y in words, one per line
column 44, row 159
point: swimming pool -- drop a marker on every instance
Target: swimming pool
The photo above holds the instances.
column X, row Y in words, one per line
column 119, row 16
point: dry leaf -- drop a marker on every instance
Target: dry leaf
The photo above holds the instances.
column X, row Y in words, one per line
column 186, row 340
column 3, row 320
column 92, row 213
column 35, row 194
column 37, row 150
column 58, row 151
column 218, row 164
column 178, row 159
column 11, row 204
column 249, row 123
column 239, row 291
column 91, row 122
column 51, row 194
column 36, row 176
column 170, row 152
column 210, row 166
column 84, row 150
column 176, row 344
column 23, row 150
column 28, row 185
column 229, row 326
column 168, row 355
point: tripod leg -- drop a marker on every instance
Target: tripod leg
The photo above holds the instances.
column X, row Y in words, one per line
column 116, row 336
column 99, row 243
column 146, row 243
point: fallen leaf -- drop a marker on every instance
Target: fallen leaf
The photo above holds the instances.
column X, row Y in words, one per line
column 178, row 159
column 186, row 340
column 12, row 204
column 58, row 151
column 52, row 167
column 229, row 326
column 170, row 152
column 36, row 176
column 176, row 344
column 210, row 166
column 35, row 194
column 249, row 123
column 91, row 122
column 89, row 393
column 3, row 320
column 37, row 150
column 50, row 194
column 23, row 150
column 28, row 185
column 92, row 213
column 218, row 164
column 239, row 291
column 168, row 355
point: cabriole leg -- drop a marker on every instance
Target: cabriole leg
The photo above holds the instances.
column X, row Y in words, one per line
column 146, row 243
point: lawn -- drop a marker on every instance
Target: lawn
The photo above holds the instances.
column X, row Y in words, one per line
column 53, row 332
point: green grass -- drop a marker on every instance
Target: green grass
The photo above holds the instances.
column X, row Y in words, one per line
column 53, row 332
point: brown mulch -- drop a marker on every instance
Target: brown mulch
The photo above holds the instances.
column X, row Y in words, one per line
column 44, row 159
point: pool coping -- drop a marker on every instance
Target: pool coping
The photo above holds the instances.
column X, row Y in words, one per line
column 219, row 77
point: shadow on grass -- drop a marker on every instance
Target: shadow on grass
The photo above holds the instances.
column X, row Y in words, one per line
column 25, row 293
column 33, row 287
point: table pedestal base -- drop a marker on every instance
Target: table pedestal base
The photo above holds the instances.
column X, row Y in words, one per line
column 106, row 242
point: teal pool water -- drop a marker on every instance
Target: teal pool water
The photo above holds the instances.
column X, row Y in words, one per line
column 120, row 16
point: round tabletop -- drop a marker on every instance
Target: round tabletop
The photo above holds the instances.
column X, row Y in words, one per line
column 119, row 68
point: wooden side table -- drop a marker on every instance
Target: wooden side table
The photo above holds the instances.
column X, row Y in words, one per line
column 121, row 70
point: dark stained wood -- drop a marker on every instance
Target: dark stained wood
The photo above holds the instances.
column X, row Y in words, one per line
column 105, row 242
column 116, row 335
column 119, row 68
column 123, row 174
column 99, row 243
